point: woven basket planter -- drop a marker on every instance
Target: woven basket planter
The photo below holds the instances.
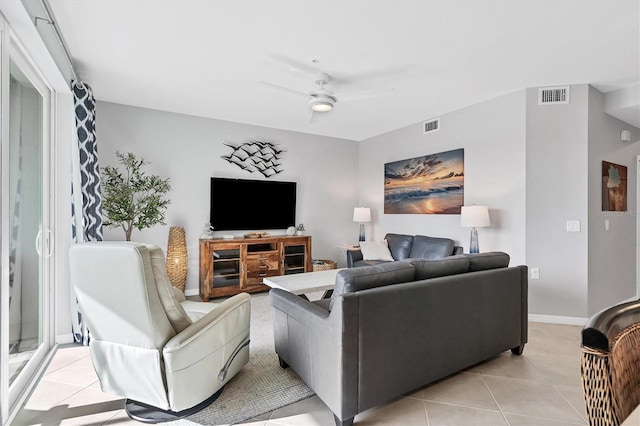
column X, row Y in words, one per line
column 324, row 266
column 177, row 257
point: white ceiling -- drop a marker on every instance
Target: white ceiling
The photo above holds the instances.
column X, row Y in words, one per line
column 206, row 58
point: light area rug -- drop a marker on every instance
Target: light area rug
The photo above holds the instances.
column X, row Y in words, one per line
column 262, row 385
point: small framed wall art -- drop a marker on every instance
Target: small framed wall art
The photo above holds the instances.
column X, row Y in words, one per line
column 614, row 187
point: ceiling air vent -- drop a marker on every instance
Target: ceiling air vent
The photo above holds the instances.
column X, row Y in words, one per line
column 553, row 95
column 431, row 125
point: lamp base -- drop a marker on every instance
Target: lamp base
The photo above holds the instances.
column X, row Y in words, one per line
column 361, row 236
column 474, row 247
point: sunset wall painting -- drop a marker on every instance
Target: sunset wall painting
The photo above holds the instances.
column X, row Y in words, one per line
column 432, row 184
column 614, row 187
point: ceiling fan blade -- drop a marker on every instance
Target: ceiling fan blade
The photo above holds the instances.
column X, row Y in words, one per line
column 363, row 94
column 313, row 118
column 404, row 72
column 276, row 86
column 294, row 65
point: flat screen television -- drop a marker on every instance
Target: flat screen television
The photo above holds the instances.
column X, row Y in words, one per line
column 241, row 204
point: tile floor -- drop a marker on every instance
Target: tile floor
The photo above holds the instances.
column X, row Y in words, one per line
column 541, row 387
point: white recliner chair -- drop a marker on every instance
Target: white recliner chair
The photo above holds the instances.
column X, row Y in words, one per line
column 168, row 356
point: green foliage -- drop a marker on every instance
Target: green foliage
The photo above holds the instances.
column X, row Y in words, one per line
column 131, row 199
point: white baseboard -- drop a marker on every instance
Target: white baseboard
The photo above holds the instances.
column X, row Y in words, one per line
column 192, row 292
column 553, row 319
column 62, row 339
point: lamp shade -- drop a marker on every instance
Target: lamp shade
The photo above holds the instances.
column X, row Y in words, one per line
column 177, row 257
column 474, row 216
column 362, row 214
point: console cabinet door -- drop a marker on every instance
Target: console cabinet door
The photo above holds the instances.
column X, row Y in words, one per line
column 296, row 256
column 220, row 268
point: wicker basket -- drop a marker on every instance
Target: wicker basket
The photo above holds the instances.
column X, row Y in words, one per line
column 611, row 380
column 324, row 266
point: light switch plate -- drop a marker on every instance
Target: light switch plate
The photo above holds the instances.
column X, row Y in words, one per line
column 535, row 273
column 573, row 226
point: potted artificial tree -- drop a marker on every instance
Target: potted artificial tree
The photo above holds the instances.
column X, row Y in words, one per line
column 131, row 199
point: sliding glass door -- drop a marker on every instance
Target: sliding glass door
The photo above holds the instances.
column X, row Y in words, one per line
column 26, row 248
column 26, row 240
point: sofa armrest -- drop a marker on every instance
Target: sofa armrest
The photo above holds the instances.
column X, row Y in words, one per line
column 353, row 256
column 297, row 307
column 310, row 339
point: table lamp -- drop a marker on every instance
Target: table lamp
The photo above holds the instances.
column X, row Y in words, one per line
column 362, row 215
column 474, row 217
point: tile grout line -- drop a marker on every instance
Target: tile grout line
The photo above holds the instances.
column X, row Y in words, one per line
column 569, row 403
column 555, row 388
column 568, row 422
column 506, row 421
column 54, row 404
column 546, row 380
column 451, row 404
column 64, row 366
column 426, row 412
column 81, row 387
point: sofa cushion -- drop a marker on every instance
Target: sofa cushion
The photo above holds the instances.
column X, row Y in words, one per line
column 399, row 245
column 375, row 250
column 431, row 268
column 356, row 279
column 431, row 247
column 489, row 260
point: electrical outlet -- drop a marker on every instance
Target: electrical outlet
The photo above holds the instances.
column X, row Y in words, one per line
column 535, row 273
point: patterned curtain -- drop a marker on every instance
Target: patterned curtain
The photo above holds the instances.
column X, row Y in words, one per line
column 85, row 188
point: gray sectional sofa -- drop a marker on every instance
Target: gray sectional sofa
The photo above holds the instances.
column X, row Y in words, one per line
column 404, row 247
column 393, row 328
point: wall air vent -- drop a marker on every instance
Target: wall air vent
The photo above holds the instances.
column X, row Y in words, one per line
column 431, row 125
column 553, row 95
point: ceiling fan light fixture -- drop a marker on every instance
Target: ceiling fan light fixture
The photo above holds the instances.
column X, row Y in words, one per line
column 321, row 104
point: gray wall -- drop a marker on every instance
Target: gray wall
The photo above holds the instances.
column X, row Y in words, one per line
column 536, row 167
column 492, row 134
column 187, row 150
column 556, row 192
column 508, row 142
column 612, row 253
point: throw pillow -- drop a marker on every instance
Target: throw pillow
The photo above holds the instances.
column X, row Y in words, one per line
column 375, row 250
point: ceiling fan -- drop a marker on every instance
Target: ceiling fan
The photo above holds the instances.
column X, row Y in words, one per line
column 323, row 100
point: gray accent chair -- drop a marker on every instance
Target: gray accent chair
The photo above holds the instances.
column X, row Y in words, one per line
column 393, row 328
column 403, row 247
column 168, row 356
